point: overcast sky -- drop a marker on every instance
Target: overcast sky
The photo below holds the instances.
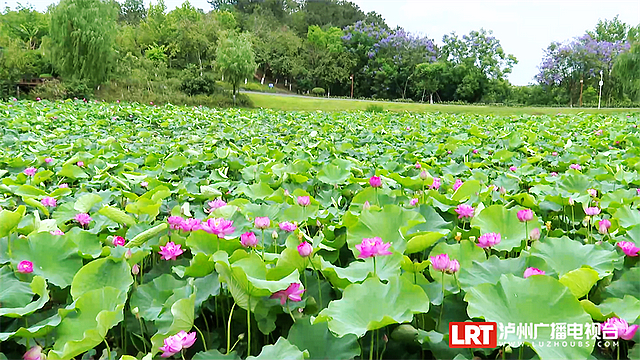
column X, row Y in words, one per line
column 525, row 28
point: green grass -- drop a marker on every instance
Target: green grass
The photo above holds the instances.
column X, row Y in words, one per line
column 293, row 103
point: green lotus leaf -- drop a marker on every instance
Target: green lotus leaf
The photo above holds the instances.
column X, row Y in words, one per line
column 175, row 162
column 489, row 271
column 36, row 204
column 41, row 323
column 55, row 258
column 517, row 300
column 300, row 213
column 180, row 318
column 256, row 191
column 388, row 224
column 580, row 281
column 423, row 241
column 465, row 252
column 433, row 222
column 9, row 220
column 86, row 202
column 29, row 191
column 290, row 260
column 469, row 188
column 321, row 343
column 627, row 308
column 499, row 219
column 73, row 172
column 201, row 265
column 628, row 283
column 391, row 303
column 208, row 244
column 215, row 355
column 150, row 298
column 144, row 206
column 281, row 350
column 387, row 267
column 97, row 311
column 117, row 215
column 561, row 255
column 332, row 174
column 373, row 196
column 101, row 273
column 41, row 177
column 593, row 310
column 247, row 278
column 12, row 292
column 627, row 217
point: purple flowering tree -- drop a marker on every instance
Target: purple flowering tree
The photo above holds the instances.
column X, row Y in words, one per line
column 564, row 65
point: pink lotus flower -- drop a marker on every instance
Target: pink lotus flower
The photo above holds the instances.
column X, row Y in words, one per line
column 488, row 240
column 262, row 222
column 475, row 151
column 638, row 191
column 56, row 232
column 366, row 205
column 49, row 202
column 174, row 344
column 575, row 167
column 592, row 211
column 424, row 175
column 555, row 153
column 48, row 160
column 304, row 200
column 30, row 171
column 440, row 262
column 629, row 248
column 534, row 234
column 457, row 184
column 525, row 215
column 175, row 222
column 449, row 152
column 219, row 226
column 144, row 184
column 216, row 204
column 170, row 251
column 436, row 184
column 293, row 293
column 598, row 132
column 553, row 173
column 287, row 226
column 305, row 249
column 135, row 269
column 25, row 267
column 375, row 181
column 532, row 271
column 373, row 247
column 513, row 168
column 571, row 201
column 83, row 219
column 190, row 224
column 248, row 239
column 119, row 241
column 465, row 211
column 453, row 268
column 63, row 186
column 418, row 166
column 414, row 202
column 616, row 328
column 35, row 353
column 80, row 163
column 592, row 192
column 603, row 226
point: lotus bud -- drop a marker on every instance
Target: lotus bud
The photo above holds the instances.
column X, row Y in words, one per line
column 508, row 349
column 571, row 202
column 458, row 236
column 424, row 175
column 241, row 337
column 318, row 223
column 534, row 234
column 128, row 254
column 502, row 190
column 135, row 311
column 135, row 270
column 472, row 238
column 366, row 205
column 548, row 225
column 274, row 235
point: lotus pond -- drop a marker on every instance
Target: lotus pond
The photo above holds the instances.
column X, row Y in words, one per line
column 137, row 232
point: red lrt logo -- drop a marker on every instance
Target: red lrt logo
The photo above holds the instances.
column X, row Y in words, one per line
column 473, row 334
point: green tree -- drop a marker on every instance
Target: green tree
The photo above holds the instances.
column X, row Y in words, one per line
column 235, row 59
column 82, row 39
column 132, row 12
column 627, row 68
column 429, row 78
column 610, row 30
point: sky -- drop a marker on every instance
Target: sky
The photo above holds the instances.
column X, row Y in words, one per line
column 524, row 28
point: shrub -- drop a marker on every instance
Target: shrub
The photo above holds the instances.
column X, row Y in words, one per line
column 51, row 90
column 374, row 108
column 194, row 84
column 318, row 91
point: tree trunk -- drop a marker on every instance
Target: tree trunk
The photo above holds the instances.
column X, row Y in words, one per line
column 422, row 98
column 200, row 60
column 431, row 98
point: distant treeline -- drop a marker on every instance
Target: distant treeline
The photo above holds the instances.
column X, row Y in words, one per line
column 127, row 51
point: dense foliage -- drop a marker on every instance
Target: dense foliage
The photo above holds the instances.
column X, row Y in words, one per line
column 139, row 230
column 139, row 54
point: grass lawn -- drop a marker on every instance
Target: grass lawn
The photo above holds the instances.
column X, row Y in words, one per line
column 292, row 103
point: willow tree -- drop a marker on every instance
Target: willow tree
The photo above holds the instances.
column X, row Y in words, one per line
column 82, row 39
column 235, row 59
